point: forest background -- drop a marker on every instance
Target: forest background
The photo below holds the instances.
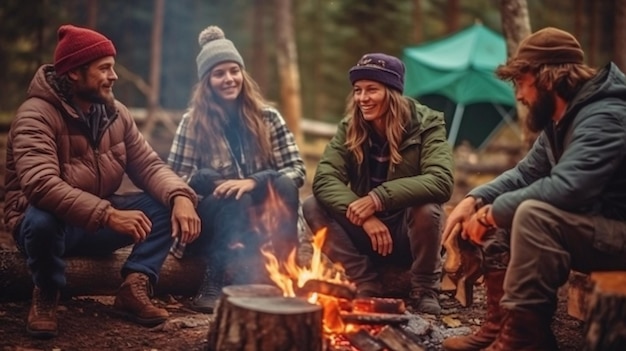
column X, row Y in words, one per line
column 328, row 37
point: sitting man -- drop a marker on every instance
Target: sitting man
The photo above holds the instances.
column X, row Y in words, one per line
column 562, row 207
column 68, row 149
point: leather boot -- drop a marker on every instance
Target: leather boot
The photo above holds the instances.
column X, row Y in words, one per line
column 209, row 292
column 42, row 317
column 490, row 327
column 425, row 300
column 525, row 330
column 134, row 302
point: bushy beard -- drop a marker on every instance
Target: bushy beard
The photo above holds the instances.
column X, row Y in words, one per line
column 541, row 112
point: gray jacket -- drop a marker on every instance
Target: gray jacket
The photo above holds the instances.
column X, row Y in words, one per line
column 579, row 165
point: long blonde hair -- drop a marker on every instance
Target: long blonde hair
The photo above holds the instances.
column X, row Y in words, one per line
column 396, row 116
column 208, row 119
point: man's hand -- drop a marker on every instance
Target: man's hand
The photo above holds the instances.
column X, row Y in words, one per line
column 130, row 222
column 478, row 225
column 379, row 235
column 460, row 214
column 185, row 220
column 236, row 187
column 360, row 210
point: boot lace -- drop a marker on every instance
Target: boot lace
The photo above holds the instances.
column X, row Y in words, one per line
column 140, row 288
column 45, row 304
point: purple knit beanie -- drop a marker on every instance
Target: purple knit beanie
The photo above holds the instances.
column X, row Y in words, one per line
column 382, row 68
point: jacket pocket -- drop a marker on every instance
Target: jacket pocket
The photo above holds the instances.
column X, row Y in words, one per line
column 609, row 235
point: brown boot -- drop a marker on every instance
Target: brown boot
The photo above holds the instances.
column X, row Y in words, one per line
column 491, row 326
column 133, row 301
column 525, row 330
column 42, row 317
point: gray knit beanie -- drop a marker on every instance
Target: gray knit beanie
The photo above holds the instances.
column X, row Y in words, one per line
column 215, row 49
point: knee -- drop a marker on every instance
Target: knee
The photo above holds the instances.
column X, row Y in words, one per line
column 533, row 211
column 286, row 188
column 313, row 213
column 36, row 220
column 428, row 214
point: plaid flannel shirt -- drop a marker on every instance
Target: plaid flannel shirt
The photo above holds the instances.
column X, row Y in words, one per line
column 185, row 160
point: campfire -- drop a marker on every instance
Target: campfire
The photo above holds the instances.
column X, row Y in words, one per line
column 311, row 307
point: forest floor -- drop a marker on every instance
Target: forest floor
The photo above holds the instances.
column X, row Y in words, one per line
column 89, row 322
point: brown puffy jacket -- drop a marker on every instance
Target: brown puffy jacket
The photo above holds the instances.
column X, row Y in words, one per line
column 54, row 164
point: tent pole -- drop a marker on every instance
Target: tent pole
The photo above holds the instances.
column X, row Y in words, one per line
column 456, row 124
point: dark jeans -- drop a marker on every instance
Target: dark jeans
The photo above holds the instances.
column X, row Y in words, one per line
column 228, row 235
column 416, row 234
column 46, row 240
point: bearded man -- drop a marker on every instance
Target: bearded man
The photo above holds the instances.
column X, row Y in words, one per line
column 562, row 207
column 68, row 148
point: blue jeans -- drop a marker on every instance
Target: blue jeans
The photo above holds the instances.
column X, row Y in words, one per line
column 46, row 240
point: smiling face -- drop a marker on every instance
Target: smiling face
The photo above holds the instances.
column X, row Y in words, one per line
column 226, row 80
column 94, row 84
column 371, row 98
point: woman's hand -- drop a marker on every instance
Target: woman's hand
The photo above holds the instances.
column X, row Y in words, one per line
column 234, row 187
column 360, row 210
column 379, row 235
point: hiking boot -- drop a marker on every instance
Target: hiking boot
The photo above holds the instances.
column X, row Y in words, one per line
column 209, row 292
column 490, row 327
column 425, row 300
column 525, row 330
column 134, row 302
column 42, row 317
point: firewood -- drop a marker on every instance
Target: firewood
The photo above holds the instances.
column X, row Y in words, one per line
column 374, row 318
column 364, row 341
column 267, row 324
column 397, row 340
column 378, row 305
column 605, row 326
column 325, row 287
column 462, row 266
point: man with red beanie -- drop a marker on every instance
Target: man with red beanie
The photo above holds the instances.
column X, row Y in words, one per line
column 562, row 207
column 68, row 148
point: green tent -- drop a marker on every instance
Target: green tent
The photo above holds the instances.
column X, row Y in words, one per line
column 456, row 75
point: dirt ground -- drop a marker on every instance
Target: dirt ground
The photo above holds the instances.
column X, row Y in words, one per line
column 89, row 323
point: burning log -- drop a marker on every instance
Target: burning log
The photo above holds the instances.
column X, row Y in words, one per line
column 396, row 339
column 374, row 318
column 267, row 324
column 363, row 341
column 605, row 321
column 339, row 290
column 379, row 305
column 462, row 266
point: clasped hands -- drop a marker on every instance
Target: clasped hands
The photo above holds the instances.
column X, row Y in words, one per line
column 361, row 213
column 474, row 223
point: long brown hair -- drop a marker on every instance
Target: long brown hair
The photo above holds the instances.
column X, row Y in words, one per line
column 396, row 116
column 208, row 119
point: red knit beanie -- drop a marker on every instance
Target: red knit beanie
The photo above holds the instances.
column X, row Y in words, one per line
column 78, row 46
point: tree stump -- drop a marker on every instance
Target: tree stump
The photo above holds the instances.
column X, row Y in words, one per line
column 264, row 322
column 605, row 327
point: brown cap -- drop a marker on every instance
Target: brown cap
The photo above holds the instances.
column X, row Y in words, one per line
column 549, row 46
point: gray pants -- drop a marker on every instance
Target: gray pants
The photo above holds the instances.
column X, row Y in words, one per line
column 416, row 234
column 546, row 243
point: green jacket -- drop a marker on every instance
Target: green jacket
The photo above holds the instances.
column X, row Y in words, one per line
column 425, row 174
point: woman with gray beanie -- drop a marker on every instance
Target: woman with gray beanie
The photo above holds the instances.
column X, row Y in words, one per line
column 233, row 147
column 379, row 186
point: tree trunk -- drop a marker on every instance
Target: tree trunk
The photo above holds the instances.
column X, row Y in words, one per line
column 286, row 56
column 418, row 29
column 516, row 27
column 97, row 275
column 92, row 13
column 267, row 324
column 260, row 62
column 606, row 318
column 619, row 46
column 592, row 52
column 155, row 68
column 452, row 18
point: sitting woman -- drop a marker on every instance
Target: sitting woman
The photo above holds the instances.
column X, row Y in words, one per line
column 233, row 148
column 379, row 186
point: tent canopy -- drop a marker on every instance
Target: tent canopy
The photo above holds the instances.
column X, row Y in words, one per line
column 461, row 68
